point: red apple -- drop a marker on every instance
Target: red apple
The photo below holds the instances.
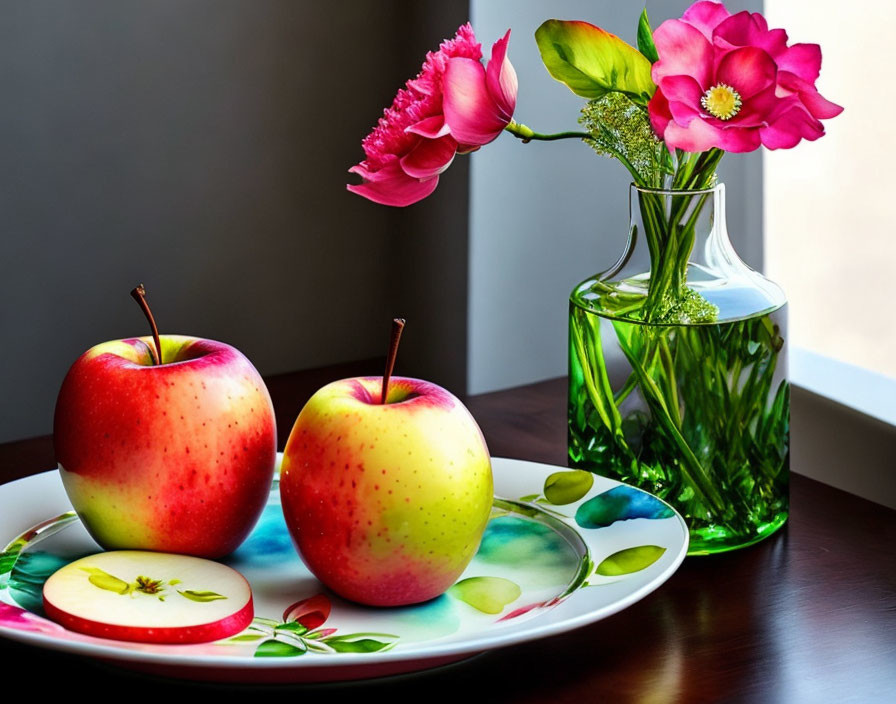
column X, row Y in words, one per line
column 149, row 597
column 386, row 502
column 175, row 457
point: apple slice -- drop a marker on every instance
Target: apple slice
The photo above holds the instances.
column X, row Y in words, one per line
column 149, row 597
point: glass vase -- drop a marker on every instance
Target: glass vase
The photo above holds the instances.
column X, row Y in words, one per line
column 677, row 372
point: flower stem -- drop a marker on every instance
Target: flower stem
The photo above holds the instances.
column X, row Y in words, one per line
column 527, row 134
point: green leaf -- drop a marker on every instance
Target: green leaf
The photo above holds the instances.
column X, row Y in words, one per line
column 486, row 594
column 355, row 636
column 7, row 560
column 292, row 627
column 316, row 647
column 529, row 497
column 104, row 580
column 246, row 638
column 174, row 582
column 278, row 649
column 593, row 62
column 630, row 560
column 364, row 645
column 200, row 596
column 645, row 39
column 562, row 488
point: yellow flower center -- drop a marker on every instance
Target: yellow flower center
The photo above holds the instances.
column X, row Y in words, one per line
column 721, row 101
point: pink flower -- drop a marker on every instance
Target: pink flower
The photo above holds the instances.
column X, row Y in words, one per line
column 454, row 105
column 730, row 82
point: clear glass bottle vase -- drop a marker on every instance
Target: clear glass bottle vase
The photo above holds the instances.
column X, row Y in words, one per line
column 677, row 372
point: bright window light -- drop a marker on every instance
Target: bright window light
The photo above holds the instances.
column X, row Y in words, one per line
column 830, row 206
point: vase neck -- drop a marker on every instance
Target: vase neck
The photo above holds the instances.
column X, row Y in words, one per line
column 678, row 267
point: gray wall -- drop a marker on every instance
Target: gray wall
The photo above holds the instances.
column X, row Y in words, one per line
column 545, row 216
column 201, row 147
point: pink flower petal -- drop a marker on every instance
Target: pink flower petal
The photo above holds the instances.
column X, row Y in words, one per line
column 683, row 95
column 748, row 70
column 698, row 136
column 470, row 112
column 749, row 29
column 701, row 135
column 755, row 111
column 804, row 60
column 792, row 126
column 430, row 157
column 740, row 139
column 706, row 16
column 390, row 185
column 683, row 51
column 660, row 115
column 820, row 107
column 501, row 78
column 431, row 127
column 683, row 89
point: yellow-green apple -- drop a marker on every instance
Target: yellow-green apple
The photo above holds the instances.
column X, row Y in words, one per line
column 386, row 502
column 176, row 456
column 150, row 597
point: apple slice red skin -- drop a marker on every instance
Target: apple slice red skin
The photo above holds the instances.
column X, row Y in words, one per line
column 183, row 635
column 177, row 457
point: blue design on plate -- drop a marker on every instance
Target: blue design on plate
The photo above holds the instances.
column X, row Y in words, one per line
column 268, row 544
column 26, row 582
column 436, row 618
column 621, row 503
column 513, row 541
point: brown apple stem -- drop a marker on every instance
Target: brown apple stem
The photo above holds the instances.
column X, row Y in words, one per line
column 397, row 327
column 139, row 295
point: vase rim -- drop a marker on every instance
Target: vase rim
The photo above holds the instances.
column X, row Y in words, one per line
column 678, row 191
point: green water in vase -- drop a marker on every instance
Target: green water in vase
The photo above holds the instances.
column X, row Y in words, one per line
column 678, row 373
column 696, row 414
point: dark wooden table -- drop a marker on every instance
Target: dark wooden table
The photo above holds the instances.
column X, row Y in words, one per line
column 807, row 616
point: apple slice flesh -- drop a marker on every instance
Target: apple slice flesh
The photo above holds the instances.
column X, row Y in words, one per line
column 149, row 597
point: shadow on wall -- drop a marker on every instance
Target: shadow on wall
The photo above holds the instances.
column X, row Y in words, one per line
column 202, row 149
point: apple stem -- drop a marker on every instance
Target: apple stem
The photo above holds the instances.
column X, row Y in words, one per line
column 397, row 327
column 139, row 295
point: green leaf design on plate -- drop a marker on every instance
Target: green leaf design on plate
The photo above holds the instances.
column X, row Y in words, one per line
column 567, row 487
column 278, row 649
column 7, row 560
column 246, row 638
column 104, row 580
column 292, row 627
column 193, row 595
column 630, row 560
column 362, row 645
column 486, row 594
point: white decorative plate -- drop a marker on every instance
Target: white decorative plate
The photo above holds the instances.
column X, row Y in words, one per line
column 563, row 548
